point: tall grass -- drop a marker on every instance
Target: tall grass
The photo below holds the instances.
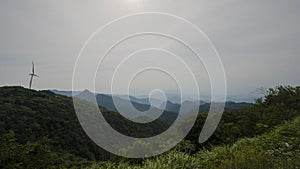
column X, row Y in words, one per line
column 277, row 149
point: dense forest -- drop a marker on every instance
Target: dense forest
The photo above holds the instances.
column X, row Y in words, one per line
column 39, row 129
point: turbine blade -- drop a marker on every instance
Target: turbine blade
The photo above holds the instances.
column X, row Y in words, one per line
column 32, row 67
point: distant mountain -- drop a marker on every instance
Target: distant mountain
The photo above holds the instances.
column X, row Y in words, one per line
column 229, row 106
column 244, row 98
column 247, row 98
column 176, row 99
column 66, row 93
column 143, row 104
column 155, row 102
column 107, row 102
column 87, row 96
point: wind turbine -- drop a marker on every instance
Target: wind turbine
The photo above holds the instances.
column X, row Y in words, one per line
column 32, row 75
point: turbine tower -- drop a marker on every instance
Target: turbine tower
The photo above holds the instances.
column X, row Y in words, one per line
column 32, row 75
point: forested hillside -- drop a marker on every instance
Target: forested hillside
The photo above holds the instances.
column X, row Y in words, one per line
column 37, row 115
column 39, row 129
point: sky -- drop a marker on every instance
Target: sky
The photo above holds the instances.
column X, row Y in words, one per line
column 257, row 41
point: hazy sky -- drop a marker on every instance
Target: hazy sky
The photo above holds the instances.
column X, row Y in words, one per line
column 258, row 41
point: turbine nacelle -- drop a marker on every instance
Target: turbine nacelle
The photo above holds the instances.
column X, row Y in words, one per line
column 33, row 75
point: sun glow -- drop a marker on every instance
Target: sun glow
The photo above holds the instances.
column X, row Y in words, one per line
column 135, row 2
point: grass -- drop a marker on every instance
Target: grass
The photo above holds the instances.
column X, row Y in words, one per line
column 277, row 149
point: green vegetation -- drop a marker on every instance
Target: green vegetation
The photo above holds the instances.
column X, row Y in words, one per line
column 35, row 115
column 34, row 155
column 280, row 105
column 277, row 149
column 40, row 130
